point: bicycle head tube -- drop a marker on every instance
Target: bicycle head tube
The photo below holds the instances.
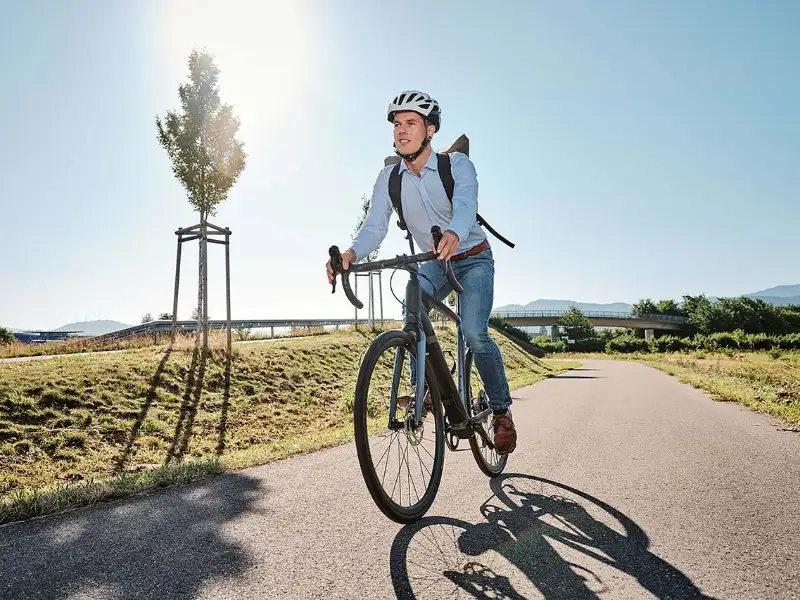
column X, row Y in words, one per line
column 413, row 302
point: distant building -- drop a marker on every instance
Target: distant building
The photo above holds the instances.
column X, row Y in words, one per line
column 42, row 337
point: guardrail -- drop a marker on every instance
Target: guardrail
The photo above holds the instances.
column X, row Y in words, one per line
column 591, row 315
column 166, row 326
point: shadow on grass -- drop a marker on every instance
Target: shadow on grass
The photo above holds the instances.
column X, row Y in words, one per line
column 168, row 545
column 512, row 553
column 226, row 398
column 188, row 410
column 155, row 383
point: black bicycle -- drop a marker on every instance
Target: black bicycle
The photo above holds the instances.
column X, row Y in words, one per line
column 442, row 411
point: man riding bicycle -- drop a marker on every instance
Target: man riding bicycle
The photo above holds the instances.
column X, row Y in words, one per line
column 416, row 118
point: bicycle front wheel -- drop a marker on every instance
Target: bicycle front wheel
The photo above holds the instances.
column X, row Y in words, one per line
column 401, row 464
column 489, row 461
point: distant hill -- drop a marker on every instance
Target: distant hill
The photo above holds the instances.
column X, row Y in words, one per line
column 778, row 296
column 546, row 304
column 781, row 291
column 98, row 327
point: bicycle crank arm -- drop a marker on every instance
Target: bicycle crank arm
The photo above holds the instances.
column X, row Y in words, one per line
column 482, row 433
column 481, row 416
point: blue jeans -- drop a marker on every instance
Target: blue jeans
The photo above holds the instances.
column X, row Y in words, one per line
column 476, row 276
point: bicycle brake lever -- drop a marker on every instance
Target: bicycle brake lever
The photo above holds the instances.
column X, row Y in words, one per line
column 336, row 264
column 436, row 233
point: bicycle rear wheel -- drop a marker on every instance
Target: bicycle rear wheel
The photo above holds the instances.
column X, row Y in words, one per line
column 489, row 461
column 401, row 465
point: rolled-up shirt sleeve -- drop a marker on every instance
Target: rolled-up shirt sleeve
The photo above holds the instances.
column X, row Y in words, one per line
column 376, row 223
column 465, row 194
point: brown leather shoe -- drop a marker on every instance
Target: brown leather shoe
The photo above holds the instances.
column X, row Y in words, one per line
column 505, row 434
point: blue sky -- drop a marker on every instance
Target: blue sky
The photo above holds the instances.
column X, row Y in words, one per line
column 630, row 149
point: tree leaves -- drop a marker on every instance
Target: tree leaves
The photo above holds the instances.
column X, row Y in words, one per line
column 201, row 139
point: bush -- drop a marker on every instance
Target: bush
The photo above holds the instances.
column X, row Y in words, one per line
column 588, row 345
column 6, row 337
column 669, row 343
column 759, row 341
column 510, row 329
column 717, row 341
column 550, row 346
column 788, row 342
column 627, row 345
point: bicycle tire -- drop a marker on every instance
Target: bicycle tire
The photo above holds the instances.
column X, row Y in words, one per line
column 490, row 469
column 391, row 340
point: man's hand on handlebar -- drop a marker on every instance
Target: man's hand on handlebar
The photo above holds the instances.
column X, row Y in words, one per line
column 348, row 256
column 342, row 263
column 447, row 246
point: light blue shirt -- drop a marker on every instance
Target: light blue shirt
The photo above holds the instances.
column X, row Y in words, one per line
column 425, row 204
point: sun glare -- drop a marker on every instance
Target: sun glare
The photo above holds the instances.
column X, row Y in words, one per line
column 264, row 51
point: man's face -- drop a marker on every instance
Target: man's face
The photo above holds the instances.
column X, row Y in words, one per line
column 410, row 131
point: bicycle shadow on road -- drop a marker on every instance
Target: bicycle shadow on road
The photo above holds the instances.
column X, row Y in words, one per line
column 540, row 539
column 167, row 545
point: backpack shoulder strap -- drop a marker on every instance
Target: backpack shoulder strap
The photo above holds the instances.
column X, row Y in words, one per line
column 395, row 182
column 446, row 174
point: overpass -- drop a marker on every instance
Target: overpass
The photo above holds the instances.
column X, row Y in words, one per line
column 162, row 326
column 533, row 318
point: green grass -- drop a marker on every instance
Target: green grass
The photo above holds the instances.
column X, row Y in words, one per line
column 76, row 430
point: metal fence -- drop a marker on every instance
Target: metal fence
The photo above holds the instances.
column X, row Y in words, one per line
column 166, row 326
column 589, row 315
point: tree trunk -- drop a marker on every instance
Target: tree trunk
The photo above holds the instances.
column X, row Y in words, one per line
column 204, row 242
column 228, row 285
column 200, row 329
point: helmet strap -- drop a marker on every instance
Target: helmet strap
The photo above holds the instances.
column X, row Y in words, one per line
column 415, row 155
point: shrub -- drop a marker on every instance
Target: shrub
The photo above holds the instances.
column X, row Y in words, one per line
column 717, row 341
column 668, row 343
column 6, row 337
column 550, row 346
column 788, row 342
column 627, row 345
column 510, row 329
column 588, row 345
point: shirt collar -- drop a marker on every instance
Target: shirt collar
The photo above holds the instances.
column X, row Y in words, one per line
column 432, row 163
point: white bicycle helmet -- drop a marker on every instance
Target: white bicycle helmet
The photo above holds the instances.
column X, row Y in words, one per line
column 420, row 103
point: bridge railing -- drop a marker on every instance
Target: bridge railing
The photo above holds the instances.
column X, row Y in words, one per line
column 165, row 326
column 590, row 315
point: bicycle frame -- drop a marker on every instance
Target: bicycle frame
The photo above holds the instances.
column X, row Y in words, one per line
column 418, row 325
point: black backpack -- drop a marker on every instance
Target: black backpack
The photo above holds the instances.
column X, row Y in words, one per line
column 446, row 174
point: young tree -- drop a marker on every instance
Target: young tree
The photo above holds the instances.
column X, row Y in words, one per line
column 205, row 154
column 669, row 307
column 644, row 307
column 576, row 325
column 6, row 337
column 364, row 210
column 147, row 318
column 165, row 316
